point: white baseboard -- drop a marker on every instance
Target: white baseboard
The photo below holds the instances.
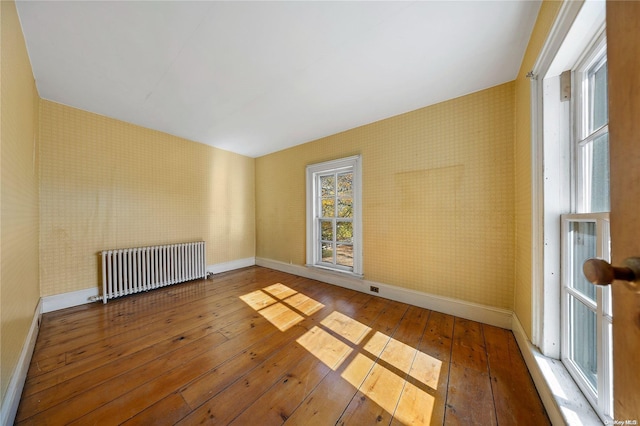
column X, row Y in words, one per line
column 16, row 384
column 68, row 300
column 563, row 400
column 473, row 311
column 231, row 265
column 88, row 295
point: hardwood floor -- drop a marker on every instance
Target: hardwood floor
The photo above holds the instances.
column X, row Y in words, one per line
column 257, row 346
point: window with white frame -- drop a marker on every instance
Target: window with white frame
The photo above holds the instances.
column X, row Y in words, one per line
column 586, row 309
column 570, row 203
column 334, row 215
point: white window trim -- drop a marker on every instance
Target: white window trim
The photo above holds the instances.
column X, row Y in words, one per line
column 355, row 163
column 545, row 277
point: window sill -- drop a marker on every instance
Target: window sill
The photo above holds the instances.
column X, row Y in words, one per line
column 338, row 272
column 563, row 400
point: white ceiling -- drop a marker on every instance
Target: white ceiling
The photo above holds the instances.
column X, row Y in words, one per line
column 258, row 77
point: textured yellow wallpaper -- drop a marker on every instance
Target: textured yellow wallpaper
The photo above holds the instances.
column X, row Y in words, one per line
column 438, row 197
column 523, row 289
column 108, row 184
column 19, row 289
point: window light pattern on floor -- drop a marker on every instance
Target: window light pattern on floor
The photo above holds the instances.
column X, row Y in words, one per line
column 375, row 364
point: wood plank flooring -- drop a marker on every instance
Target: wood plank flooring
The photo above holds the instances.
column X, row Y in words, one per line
column 261, row 347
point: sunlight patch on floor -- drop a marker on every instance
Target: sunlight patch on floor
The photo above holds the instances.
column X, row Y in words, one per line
column 415, row 406
column 376, row 343
column 280, row 291
column 383, row 370
column 281, row 305
column 258, row 299
column 385, row 380
column 281, row 316
column 357, row 370
column 398, row 354
column 383, row 386
column 348, row 328
column 426, row 369
column 327, row 348
column 396, row 376
column 304, row 304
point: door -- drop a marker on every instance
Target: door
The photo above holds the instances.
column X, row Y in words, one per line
column 623, row 36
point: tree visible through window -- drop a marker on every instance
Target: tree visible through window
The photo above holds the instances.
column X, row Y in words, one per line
column 336, row 218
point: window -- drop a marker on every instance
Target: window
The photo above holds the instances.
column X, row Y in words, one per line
column 570, row 203
column 333, row 215
column 586, row 309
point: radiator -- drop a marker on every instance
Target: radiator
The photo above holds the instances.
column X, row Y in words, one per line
column 132, row 270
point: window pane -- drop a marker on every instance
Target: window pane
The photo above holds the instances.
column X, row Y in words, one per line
column 600, row 112
column 327, row 252
column 345, row 184
column 327, row 185
column 583, row 340
column 344, row 255
column 344, row 232
column 600, row 174
column 326, row 230
column 582, row 246
column 328, row 207
column 345, row 207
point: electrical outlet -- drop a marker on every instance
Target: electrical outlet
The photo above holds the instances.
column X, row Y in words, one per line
column 374, row 289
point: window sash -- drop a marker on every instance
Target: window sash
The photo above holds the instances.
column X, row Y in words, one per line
column 599, row 388
column 588, row 130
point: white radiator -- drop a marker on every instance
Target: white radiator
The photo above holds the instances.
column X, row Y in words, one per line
column 132, row 270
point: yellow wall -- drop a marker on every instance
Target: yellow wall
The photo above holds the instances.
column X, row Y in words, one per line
column 108, row 184
column 523, row 289
column 19, row 290
column 438, row 197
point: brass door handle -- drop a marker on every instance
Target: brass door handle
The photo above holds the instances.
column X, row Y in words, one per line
column 600, row 272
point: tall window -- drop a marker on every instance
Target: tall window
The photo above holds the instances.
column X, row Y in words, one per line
column 586, row 309
column 333, row 215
